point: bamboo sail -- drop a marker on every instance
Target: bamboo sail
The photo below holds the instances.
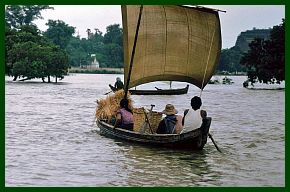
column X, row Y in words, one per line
column 175, row 43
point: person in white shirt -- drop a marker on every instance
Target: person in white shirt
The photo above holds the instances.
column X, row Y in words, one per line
column 193, row 117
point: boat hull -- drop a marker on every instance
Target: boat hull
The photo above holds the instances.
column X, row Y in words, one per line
column 193, row 140
column 160, row 91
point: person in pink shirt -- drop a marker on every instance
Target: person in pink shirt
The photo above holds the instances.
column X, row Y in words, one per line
column 124, row 117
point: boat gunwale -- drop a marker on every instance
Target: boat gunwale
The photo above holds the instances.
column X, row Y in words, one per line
column 193, row 140
column 174, row 137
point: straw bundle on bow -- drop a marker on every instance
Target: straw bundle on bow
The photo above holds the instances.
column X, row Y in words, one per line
column 107, row 108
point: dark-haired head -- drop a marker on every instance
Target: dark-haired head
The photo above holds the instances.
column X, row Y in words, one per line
column 196, row 102
column 124, row 103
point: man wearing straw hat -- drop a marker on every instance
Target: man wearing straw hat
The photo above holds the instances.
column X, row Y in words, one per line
column 172, row 123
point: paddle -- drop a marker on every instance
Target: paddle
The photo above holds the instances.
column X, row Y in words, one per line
column 107, row 93
column 210, row 136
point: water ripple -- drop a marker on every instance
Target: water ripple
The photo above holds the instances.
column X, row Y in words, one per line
column 50, row 138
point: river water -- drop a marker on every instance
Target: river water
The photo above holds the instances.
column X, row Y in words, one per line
column 51, row 137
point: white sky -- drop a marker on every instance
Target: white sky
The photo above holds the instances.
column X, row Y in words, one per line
column 237, row 18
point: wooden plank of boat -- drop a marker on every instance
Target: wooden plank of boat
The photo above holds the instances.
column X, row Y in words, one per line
column 160, row 91
column 194, row 140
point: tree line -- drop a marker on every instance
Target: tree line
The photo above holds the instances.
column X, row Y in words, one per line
column 265, row 61
column 107, row 48
column 30, row 53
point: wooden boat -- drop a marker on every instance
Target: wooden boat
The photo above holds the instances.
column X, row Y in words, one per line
column 160, row 91
column 168, row 43
column 194, row 140
column 227, row 81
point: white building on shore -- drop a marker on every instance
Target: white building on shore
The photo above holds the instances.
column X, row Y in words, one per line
column 95, row 64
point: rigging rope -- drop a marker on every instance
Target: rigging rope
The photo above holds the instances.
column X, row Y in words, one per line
column 207, row 62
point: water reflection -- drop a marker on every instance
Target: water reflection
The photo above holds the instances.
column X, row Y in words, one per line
column 157, row 166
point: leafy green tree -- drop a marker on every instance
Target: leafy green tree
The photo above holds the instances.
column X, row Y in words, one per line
column 9, row 41
column 114, row 34
column 277, row 51
column 77, row 54
column 265, row 61
column 230, row 60
column 26, row 33
column 35, row 61
column 59, row 33
column 57, row 64
column 79, row 50
column 108, row 48
column 113, row 40
column 114, row 55
column 30, row 55
column 28, row 60
column 18, row 15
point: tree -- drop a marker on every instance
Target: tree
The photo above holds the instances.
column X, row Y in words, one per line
column 30, row 55
column 277, row 50
column 13, row 38
column 230, row 60
column 79, row 50
column 113, row 40
column 18, row 15
column 9, row 41
column 29, row 61
column 114, row 55
column 57, row 63
column 108, row 48
column 114, row 34
column 265, row 61
column 59, row 33
column 76, row 52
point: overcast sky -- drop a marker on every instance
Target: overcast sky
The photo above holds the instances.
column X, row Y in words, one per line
column 237, row 18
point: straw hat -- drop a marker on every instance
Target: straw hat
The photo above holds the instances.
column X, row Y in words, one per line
column 169, row 110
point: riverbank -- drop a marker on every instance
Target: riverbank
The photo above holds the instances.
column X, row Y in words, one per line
column 93, row 70
column 96, row 70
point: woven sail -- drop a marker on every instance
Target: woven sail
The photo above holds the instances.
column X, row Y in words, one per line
column 175, row 43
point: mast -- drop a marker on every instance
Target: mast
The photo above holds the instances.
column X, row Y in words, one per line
column 133, row 52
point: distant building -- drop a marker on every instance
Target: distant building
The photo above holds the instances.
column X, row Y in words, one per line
column 95, row 64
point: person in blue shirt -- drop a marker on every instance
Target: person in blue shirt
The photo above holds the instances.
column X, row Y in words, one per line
column 172, row 123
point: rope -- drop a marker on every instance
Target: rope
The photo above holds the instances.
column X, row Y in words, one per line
column 207, row 63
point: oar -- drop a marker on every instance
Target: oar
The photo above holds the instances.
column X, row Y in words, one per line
column 107, row 93
column 210, row 136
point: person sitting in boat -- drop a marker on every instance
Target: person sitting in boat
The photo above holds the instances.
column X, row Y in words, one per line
column 172, row 123
column 124, row 117
column 118, row 85
column 246, row 84
column 193, row 117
